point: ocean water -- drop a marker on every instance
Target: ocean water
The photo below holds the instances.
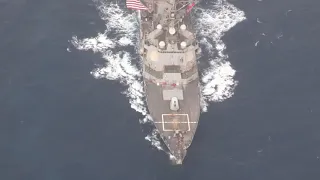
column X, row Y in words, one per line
column 72, row 104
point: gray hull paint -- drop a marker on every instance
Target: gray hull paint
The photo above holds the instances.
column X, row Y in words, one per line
column 168, row 49
column 190, row 105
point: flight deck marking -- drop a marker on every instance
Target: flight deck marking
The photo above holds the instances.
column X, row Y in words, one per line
column 159, row 122
column 167, row 122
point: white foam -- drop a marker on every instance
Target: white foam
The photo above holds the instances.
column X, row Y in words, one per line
column 218, row 81
column 122, row 31
column 96, row 44
column 153, row 138
column 118, row 60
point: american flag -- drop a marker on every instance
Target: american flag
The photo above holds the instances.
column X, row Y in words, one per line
column 190, row 6
column 135, row 4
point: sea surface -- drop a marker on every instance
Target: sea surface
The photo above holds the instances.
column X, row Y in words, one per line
column 72, row 105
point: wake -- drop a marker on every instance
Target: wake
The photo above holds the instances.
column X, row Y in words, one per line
column 118, row 47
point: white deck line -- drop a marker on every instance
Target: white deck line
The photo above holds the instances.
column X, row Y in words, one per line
column 165, row 122
column 159, row 122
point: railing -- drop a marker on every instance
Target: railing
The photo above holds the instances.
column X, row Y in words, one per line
column 156, row 74
column 190, row 72
column 171, row 69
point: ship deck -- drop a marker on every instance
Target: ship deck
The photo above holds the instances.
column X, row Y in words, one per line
column 167, row 121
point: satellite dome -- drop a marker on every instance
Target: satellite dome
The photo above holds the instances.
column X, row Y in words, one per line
column 162, row 44
column 183, row 27
column 172, row 30
column 183, row 44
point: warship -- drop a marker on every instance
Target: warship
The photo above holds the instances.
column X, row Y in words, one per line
column 169, row 50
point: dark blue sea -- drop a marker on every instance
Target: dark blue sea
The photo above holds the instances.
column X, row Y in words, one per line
column 57, row 122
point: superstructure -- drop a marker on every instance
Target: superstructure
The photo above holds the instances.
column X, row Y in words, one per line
column 169, row 49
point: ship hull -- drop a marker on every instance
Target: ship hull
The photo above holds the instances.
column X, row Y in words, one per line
column 168, row 48
column 187, row 117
